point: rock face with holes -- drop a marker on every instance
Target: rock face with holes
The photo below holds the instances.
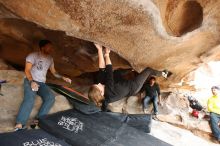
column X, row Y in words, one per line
column 181, row 17
column 177, row 35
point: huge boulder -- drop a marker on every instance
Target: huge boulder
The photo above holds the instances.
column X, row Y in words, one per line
column 176, row 35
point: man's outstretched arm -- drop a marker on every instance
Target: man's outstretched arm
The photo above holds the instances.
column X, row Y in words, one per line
column 107, row 57
column 57, row 75
column 100, row 55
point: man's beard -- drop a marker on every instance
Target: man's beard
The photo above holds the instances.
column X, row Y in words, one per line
column 45, row 52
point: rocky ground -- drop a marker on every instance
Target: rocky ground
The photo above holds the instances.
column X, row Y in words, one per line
column 177, row 136
column 174, row 111
column 193, row 131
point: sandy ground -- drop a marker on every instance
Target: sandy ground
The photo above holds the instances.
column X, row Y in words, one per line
column 177, row 136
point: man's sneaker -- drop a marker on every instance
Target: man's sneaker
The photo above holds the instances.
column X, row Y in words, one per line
column 19, row 129
column 34, row 124
column 164, row 73
column 146, row 111
column 155, row 116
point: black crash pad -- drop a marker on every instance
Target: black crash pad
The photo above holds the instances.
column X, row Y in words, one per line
column 30, row 138
column 98, row 129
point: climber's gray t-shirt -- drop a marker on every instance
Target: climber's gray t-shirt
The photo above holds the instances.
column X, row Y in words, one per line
column 40, row 65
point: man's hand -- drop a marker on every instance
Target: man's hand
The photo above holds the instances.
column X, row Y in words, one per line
column 99, row 47
column 68, row 80
column 107, row 51
column 34, row 86
column 159, row 103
